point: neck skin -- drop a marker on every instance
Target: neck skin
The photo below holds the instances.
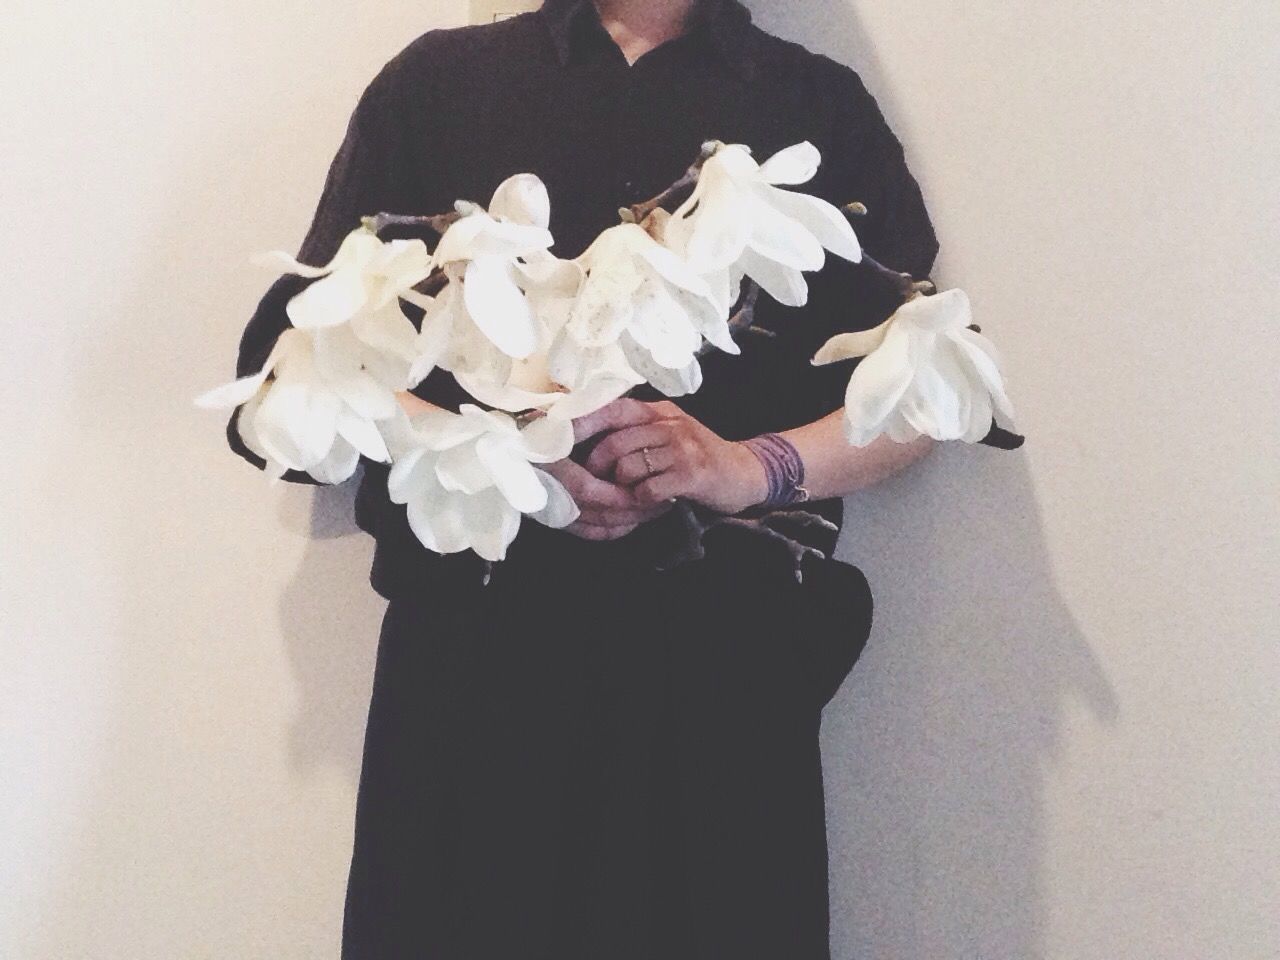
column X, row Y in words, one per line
column 638, row 26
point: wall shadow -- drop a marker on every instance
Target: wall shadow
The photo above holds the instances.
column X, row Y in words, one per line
column 936, row 748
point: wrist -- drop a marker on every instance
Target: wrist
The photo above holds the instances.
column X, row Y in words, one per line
column 751, row 478
column 783, row 468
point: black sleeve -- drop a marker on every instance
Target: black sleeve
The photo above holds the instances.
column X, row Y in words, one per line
column 866, row 162
column 369, row 174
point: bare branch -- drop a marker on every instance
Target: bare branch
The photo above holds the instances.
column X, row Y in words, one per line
column 696, row 528
column 437, row 222
column 639, row 212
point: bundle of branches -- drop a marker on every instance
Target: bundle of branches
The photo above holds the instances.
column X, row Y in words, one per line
column 538, row 341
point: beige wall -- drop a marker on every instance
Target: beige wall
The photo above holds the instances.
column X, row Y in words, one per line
column 1061, row 742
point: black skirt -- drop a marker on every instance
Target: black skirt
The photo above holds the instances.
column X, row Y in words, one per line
column 589, row 759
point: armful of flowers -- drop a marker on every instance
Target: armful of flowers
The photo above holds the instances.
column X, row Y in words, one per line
column 538, row 341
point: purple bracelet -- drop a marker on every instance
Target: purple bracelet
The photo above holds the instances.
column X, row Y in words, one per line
column 783, row 469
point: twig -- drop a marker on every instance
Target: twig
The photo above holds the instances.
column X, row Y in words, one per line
column 906, row 284
column 437, row 222
column 743, row 321
column 696, row 528
column 639, row 212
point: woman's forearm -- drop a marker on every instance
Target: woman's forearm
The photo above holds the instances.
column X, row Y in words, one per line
column 834, row 468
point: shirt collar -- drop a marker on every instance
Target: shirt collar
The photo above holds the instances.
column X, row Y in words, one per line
column 728, row 23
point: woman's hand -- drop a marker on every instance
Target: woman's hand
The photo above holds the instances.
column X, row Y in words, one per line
column 608, row 510
column 659, row 452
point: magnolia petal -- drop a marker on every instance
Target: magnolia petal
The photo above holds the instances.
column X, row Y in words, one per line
column 963, row 383
column 339, row 364
column 412, row 471
column 401, row 266
column 240, row 391
column 329, row 301
column 897, row 429
column 503, row 396
column 281, row 426
column 669, row 265
column 982, row 357
column 440, row 429
column 663, row 327
column 363, row 434
column 981, row 417
column 550, row 278
column 492, row 523
column 560, row 510
column 547, row 440
column 829, row 226
column 499, row 308
column 275, row 471
column 522, row 199
column 776, row 236
column 590, row 398
column 846, row 346
column 249, row 433
column 420, row 300
column 232, row 394
column 512, row 475
column 443, row 317
column 437, row 520
column 459, row 470
column 389, row 331
column 719, row 335
column 797, row 163
column 713, row 235
column 338, row 465
column 785, row 284
column 365, row 396
column 880, row 380
column 940, row 312
column 672, row 383
column 280, row 262
column 479, row 235
column 930, row 405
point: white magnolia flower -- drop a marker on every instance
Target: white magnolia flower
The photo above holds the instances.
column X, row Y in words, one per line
column 482, row 320
column 641, row 306
column 316, row 403
column 924, row 372
column 739, row 222
column 546, row 291
column 365, row 275
column 467, row 478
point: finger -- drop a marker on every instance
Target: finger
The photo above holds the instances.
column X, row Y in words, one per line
column 588, row 490
column 634, row 467
column 624, row 412
column 628, row 440
column 589, row 531
column 662, row 486
column 668, row 409
column 619, row 518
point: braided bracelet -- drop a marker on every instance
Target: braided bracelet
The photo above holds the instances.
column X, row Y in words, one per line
column 783, row 468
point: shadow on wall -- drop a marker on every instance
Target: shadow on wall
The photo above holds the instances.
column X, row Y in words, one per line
column 936, row 748
column 187, row 841
column 334, row 674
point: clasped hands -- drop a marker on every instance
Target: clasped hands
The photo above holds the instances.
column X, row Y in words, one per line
column 649, row 455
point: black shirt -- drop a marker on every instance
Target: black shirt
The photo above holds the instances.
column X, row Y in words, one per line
column 459, row 110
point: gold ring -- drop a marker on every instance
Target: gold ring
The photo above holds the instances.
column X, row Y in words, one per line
column 648, row 464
